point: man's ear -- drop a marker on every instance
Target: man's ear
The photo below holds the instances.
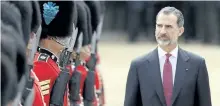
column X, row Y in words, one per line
column 181, row 31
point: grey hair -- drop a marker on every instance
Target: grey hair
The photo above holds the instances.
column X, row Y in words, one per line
column 168, row 10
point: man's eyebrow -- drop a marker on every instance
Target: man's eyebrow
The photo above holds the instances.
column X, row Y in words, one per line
column 168, row 25
column 164, row 24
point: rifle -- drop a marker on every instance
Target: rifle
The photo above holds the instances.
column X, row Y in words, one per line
column 59, row 87
column 74, row 83
column 89, row 89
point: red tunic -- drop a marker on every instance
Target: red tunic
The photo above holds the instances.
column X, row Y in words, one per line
column 47, row 70
column 38, row 97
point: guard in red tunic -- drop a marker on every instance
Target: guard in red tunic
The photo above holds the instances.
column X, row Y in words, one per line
column 57, row 27
column 97, row 15
column 87, row 81
column 79, row 72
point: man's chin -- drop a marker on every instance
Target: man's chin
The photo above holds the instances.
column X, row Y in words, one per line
column 163, row 43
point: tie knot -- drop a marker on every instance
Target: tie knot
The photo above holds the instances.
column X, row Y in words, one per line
column 168, row 55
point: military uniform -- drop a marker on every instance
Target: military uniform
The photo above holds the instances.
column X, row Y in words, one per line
column 47, row 70
column 46, row 67
column 79, row 71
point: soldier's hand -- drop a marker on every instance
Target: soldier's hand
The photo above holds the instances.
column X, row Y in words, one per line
column 85, row 53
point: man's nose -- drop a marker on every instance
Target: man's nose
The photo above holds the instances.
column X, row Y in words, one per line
column 163, row 30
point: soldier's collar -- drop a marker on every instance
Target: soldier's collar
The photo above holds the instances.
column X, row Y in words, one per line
column 46, row 51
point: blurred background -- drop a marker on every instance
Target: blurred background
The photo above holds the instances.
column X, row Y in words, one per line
column 128, row 32
column 136, row 19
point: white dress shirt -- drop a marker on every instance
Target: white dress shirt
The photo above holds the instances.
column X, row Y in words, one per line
column 172, row 59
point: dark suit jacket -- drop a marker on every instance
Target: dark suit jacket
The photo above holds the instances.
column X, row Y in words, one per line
column 191, row 85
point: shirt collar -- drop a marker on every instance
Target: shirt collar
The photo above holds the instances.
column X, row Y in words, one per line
column 162, row 53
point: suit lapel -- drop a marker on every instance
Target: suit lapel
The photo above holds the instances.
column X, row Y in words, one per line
column 154, row 67
column 181, row 69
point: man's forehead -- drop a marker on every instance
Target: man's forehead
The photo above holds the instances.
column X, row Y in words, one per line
column 169, row 19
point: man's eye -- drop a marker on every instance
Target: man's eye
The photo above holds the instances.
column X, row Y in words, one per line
column 159, row 25
column 169, row 26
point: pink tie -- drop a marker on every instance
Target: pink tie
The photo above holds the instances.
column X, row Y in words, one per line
column 167, row 80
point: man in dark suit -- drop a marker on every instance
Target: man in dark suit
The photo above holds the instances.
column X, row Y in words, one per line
column 169, row 75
